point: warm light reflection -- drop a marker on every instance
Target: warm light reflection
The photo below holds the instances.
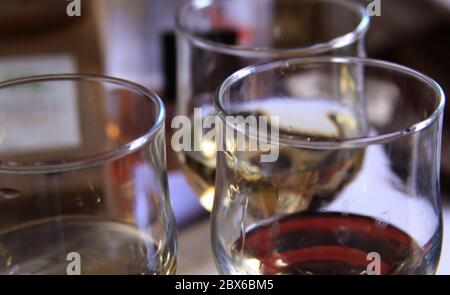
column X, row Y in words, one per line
column 253, row 265
column 207, row 199
column 112, row 131
column 209, row 149
column 349, row 121
column 347, row 83
column 281, row 263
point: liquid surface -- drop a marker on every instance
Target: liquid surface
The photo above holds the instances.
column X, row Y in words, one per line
column 103, row 248
column 325, row 244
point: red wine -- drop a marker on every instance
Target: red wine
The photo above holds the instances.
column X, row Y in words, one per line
column 328, row 243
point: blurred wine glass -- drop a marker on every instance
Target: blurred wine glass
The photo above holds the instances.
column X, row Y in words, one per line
column 217, row 38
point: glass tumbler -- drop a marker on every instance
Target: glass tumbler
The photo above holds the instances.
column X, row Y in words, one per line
column 83, row 185
column 350, row 179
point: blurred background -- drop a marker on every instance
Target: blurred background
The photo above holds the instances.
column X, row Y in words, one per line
column 134, row 39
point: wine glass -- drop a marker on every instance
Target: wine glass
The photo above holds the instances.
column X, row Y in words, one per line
column 217, row 38
column 354, row 186
column 83, row 185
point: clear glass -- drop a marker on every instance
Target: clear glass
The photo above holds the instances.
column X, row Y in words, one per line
column 83, row 184
column 357, row 172
column 217, row 38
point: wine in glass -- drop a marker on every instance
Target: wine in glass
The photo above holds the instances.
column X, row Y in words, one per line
column 355, row 188
column 217, row 38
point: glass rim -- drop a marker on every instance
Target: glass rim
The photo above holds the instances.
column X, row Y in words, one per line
column 356, row 142
column 89, row 161
column 248, row 51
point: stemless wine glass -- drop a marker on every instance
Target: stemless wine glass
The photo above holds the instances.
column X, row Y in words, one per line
column 83, row 185
column 217, row 38
column 354, row 188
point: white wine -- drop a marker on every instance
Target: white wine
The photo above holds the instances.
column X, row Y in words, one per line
column 199, row 167
column 200, row 171
column 327, row 171
column 104, row 247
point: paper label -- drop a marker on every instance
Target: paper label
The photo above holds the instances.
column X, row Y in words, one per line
column 39, row 116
